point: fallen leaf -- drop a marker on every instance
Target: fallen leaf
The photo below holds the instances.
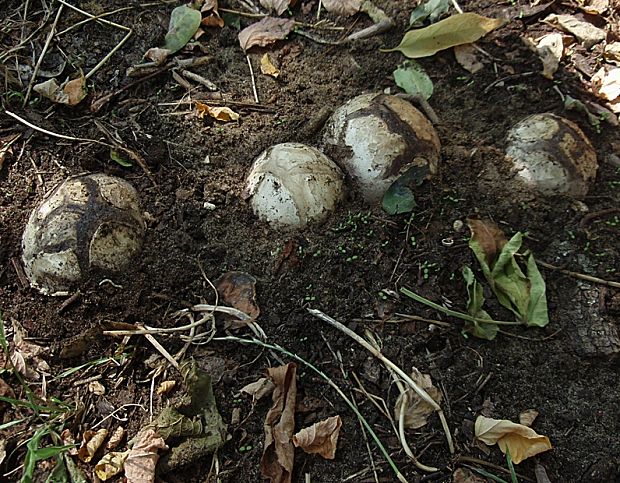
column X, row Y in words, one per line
column 489, row 236
column 166, row 386
column 212, row 19
column 96, row 388
column 465, row 475
column 475, row 301
column 223, row 114
column 143, row 456
column 68, row 440
column 91, row 442
column 431, row 10
column 595, row 7
column 587, row 34
column 116, row 438
column 521, row 441
column 259, row 389
column 606, row 84
column 467, row 57
column 5, row 146
column 157, row 55
column 527, row 417
column 265, row 32
column 184, row 23
column 416, row 410
column 110, row 465
column 612, row 52
column 70, row 93
column 413, row 79
column 344, row 8
column 320, row 438
column 277, row 459
column 238, row 289
column 278, row 6
column 26, row 356
column 463, row 28
column 267, row 67
column 550, row 49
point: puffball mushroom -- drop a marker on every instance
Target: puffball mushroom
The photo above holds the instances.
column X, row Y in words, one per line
column 88, row 222
column 291, row 184
column 552, row 155
column 380, row 137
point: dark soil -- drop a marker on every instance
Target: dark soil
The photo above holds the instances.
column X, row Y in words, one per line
column 341, row 267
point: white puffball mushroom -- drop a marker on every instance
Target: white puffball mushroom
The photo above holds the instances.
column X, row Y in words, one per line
column 552, row 155
column 380, row 137
column 88, row 222
column 291, row 184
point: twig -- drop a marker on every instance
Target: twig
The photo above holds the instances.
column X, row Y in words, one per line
column 508, row 77
column 580, row 276
column 418, row 390
column 456, row 6
column 35, row 72
column 253, row 80
column 423, row 103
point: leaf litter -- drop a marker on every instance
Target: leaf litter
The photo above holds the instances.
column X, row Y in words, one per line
column 320, row 438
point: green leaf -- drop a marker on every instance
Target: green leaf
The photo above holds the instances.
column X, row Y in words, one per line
column 118, row 157
column 231, row 20
column 34, row 453
column 431, row 9
column 411, row 77
column 460, row 29
column 511, row 286
column 184, row 23
column 475, row 301
column 537, row 313
column 398, row 199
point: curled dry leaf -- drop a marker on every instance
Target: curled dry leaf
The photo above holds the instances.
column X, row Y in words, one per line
column 489, row 236
column 142, row 459
column 606, row 85
column 527, row 417
column 277, row 460
column 68, row 440
column 467, row 57
column 265, row 32
column 550, row 49
column 344, row 8
column 238, row 289
column 267, row 67
column 259, row 389
column 26, row 356
column 70, row 93
column 223, row 114
column 166, row 386
column 587, row 34
column 321, row 437
column 96, row 388
column 157, row 55
column 212, row 18
column 416, row 410
column 116, row 438
column 521, row 441
column 278, row 6
column 91, row 442
column 612, row 52
column 465, row 475
column 110, row 465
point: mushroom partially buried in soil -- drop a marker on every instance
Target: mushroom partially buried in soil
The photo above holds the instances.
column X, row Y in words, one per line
column 292, row 184
column 552, row 155
column 89, row 222
column 377, row 138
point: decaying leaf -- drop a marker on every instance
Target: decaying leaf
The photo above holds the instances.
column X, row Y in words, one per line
column 320, row 438
column 116, row 438
column 416, row 410
column 344, row 8
column 166, row 386
column 212, row 17
column 143, row 456
column 259, row 389
column 267, row 67
column 465, row 475
column 489, row 236
column 429, row 9
column 278, row 6
column 475, row 301
column 463, row 28
column 612, row 52
column 184, row 23
column 157, row 55
column 91, row 442
column 70, row 92
column 238, row 289
column 224, row 114
column 521, row 441
column 413, row 79
column 527, row 417
column 26, row 356
column 595, row 7
column 467, row 57
column 111, row 464
column 265, row 32
column 68, row 440
column 277, row 459
column 550, row 49
column 606, row 85
column 587, row 34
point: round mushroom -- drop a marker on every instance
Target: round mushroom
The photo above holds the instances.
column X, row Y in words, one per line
column 552, row 155
column 88, row 222
column 378, row 137
column 291, row 184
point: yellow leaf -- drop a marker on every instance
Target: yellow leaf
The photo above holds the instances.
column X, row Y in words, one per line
column 267, row 67
column 521, row 441
column 166, row 386
column 91, row 442
column 110, row 465
column 223, row 114
column 460, row 29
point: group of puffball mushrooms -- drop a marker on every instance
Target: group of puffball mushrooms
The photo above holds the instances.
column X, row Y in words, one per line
column 94, row 221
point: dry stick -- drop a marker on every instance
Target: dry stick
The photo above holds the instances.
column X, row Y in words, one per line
column 40, row 59
column 580, row 276
column 92, row 19
column 456, row 6
column 419, row 391
column 253, row 80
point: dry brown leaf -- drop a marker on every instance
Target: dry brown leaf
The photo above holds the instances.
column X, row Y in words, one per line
column 259, row 389
column 238, row 289
column 465, row 475
column 91, row 442
column 612, row 52
column 142, row 459
column 596, row 7
column 96, row 388
column 157, row 55
column 26, row 356
column 278, row 6
column 550, row 49
column 267, row 67
column 116, row 438
column 277, row 459
column 70, row 93
column 68, row 440
column 521, row 441
column 110, row 465
column 488, row 235
column 467, row 57
column 606, row 84
column 416, row 409
column 166, row 386
column 527, row 417
column 587, row 34
column 265, row 32
column 223, row 114
column 343, row 7
column 320, row 438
